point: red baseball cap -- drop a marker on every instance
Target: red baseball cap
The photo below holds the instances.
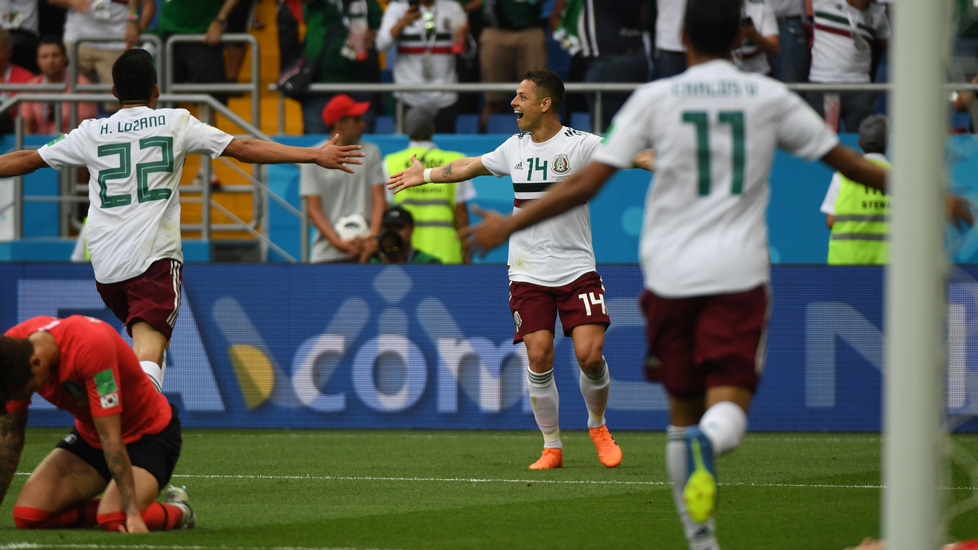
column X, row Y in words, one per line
column 343, row 105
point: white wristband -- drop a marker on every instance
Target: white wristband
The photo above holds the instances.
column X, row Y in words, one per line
column 427, row 175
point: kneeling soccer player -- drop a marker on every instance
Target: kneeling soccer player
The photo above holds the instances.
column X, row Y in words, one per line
column 126, row 438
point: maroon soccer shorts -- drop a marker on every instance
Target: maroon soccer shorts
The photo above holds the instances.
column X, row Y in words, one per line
column 153, row 297
column 535, row 307
column 705, row 341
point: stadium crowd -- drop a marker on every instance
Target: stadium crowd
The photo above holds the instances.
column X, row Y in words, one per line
column 441, row 42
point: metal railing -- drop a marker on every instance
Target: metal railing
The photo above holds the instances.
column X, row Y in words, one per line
column 205, row 227
column 569, row 88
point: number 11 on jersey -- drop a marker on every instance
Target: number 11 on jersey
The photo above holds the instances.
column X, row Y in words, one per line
column 701, row 120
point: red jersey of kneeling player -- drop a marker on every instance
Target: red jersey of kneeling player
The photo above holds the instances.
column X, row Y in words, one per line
column 97, row 374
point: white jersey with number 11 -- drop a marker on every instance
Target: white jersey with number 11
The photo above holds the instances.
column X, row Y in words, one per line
column 714, row 130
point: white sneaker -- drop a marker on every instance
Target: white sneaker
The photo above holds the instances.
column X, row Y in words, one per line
column 178, row 497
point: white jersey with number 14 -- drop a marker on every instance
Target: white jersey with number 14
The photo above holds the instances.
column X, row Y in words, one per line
column 714, row 130
column 557, row 251
column 135, row 160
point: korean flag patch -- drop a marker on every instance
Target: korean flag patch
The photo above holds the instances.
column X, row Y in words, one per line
column 108, row 390
column 110, row 400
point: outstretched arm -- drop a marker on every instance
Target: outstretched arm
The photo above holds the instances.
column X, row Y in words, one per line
column 453, row 172
column 853, row 166
column 20, row 163
column 574, row 191
column 117, row 457
column 11, row 444
column 259, row 151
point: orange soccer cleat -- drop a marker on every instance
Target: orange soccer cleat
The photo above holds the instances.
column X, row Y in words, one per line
column 609, row 453
column 551, row 458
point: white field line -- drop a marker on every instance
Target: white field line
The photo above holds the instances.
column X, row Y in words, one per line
column 525, row 481
column 855, row 438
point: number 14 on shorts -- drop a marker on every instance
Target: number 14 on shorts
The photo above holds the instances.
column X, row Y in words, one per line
column 590, row 299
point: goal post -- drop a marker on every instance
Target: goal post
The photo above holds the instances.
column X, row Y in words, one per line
column 915, row 281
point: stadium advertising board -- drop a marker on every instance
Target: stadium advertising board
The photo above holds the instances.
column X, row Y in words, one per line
column 430, row 347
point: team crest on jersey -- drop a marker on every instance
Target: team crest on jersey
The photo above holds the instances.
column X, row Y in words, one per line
column 561, row 166
column 73, row 389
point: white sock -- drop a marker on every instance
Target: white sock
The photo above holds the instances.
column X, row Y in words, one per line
column 595, row 388
column 700, row 536
column 155, row 373
column 545, row 403
column 724, row 424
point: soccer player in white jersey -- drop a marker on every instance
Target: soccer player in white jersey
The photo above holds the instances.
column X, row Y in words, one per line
column 551, row 265
column 703, row 249
column 135, row 158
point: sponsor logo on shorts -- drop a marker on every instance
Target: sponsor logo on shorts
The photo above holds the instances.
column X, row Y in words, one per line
column 518, row 320
column 70, row 439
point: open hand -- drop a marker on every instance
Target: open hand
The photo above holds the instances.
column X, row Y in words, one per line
column 491, row 232
column 959, row 211
column 411, row 177
column 134, row 524
column 336, row 156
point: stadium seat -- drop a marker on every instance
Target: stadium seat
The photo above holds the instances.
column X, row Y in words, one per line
column 385, row 125
column 580, row 121
column 467, row 124
column 502, row 123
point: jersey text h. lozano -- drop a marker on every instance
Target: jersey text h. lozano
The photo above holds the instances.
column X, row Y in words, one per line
column 135, row 125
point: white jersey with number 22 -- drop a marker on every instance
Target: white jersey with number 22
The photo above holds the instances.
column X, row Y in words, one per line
column 714, row 130
column 135, row 160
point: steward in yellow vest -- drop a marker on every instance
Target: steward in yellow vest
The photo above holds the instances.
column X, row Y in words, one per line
column 439, row 211
column 859, row 215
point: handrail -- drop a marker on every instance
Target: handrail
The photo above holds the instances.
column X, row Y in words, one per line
column 208, row 101
column 569, row 87
column 254, row 86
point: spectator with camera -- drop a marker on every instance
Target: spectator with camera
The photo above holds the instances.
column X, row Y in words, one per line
column 394, row 242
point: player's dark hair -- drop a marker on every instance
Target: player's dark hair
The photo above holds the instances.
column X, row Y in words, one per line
column 712, row 26
column 51, row 39
column 549, row 84
column 15, row 365
column 134, row 76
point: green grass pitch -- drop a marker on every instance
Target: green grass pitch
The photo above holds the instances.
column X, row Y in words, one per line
column 468, row 490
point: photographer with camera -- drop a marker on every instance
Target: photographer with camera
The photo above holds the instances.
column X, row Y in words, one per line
column 394, row 241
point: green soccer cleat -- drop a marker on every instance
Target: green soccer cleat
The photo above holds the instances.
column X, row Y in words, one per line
column 700, row 492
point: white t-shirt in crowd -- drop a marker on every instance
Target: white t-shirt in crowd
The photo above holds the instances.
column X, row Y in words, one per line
column 108, row 21
column 841, row 48
column 714, row 130
column 556, row 251
column 669, row 25
column 135, row 160
column 752, row 57
column 19, row 14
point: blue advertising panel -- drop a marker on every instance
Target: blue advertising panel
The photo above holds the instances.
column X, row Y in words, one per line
column 430, row 347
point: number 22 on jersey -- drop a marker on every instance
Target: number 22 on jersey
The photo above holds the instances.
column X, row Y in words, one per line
column 143, row 169
column 701, row 121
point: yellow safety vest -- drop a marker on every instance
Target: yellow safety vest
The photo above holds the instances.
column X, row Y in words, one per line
column 861, row 226
column 432, row 205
